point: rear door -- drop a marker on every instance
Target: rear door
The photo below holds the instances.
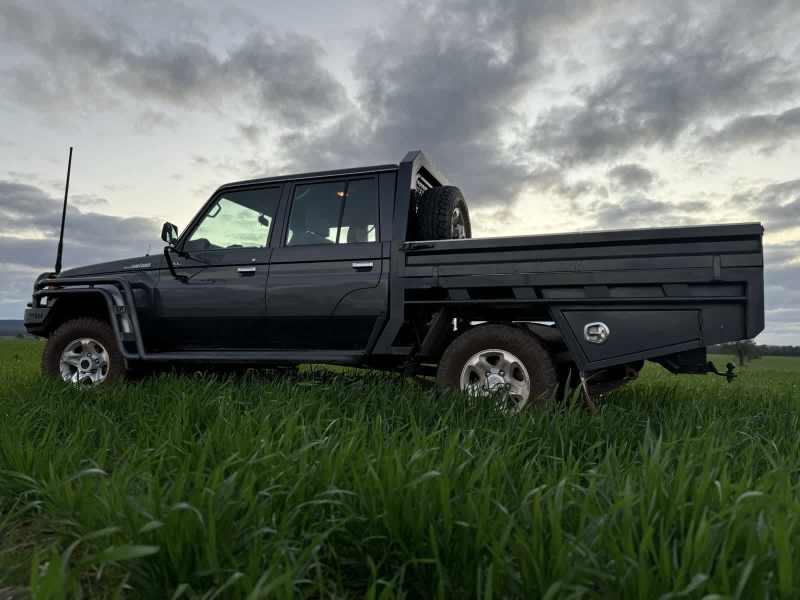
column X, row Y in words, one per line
column 222, row 304
column 325, row 290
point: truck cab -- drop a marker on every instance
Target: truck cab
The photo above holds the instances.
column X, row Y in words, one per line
column 292, row 264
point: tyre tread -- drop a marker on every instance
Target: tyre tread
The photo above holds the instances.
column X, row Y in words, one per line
column 499, row 335
column 91, row 327
column 435, row 208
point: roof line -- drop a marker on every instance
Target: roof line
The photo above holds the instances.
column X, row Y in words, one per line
column 312, row 175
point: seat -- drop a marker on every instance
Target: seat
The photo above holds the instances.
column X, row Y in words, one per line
column 357, row 234
column 313, row 227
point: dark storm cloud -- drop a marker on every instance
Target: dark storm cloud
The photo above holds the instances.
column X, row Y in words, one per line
column 82, row 59
column 670, row 70
column 766, row 130
column 631, row 177
column 445, row 78
column 449, row 82
column 31, row 221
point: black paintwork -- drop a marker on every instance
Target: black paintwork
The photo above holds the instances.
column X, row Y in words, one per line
column 660, row 291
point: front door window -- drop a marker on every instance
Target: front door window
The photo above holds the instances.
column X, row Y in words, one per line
column 238, row 219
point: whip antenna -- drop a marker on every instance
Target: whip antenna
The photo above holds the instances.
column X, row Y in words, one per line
column 63, row 216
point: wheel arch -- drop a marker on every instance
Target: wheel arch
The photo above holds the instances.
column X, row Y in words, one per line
column 72, row 304
column 438, row 335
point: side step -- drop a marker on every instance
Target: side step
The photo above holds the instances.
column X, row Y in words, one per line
column 255, row 357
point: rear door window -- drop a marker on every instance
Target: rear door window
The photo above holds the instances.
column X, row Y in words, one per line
column 336, row 212
column 360, row 215
column 316, row 211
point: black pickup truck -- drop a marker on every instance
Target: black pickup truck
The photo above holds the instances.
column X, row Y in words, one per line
column 372, row 267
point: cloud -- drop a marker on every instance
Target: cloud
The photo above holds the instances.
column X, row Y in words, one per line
column 87, row 200
column 670, row 69
column 777, row 204
column 150, row 120
column 782, row 292
column 252, row 132
column 452, row 78
column 770, row 130
column 16, row 286
column 72, row 59
column 641, row 211
column 631, row 177
column 31, row 223
column 547, row 178
column 447, row 78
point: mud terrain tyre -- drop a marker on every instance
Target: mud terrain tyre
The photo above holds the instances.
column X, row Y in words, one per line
column 442, row 214
column 83, row 351
column 495, row 357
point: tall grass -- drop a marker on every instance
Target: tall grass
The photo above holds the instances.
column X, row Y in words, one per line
column 364, row 485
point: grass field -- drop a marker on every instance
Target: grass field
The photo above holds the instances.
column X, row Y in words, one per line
column 359, row 485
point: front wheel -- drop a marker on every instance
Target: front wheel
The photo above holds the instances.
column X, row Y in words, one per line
column 500, row 362
column 83, row 352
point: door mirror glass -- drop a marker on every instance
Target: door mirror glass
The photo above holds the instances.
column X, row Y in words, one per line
column 169, row 233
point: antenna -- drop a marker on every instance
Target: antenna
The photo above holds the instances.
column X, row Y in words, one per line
column 63, row 216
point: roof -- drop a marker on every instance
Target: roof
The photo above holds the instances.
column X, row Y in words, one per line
column 312, row 175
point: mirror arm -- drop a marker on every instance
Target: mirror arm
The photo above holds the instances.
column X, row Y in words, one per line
column 171, row 265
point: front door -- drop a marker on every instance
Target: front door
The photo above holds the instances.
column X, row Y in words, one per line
column 326, row 287
column 225, row 258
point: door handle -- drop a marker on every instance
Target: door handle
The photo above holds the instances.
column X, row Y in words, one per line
column 365, row 266
column 246, row 270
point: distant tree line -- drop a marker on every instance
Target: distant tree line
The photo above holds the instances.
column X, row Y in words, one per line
column 748, row 350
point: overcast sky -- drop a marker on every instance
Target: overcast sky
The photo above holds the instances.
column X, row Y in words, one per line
column 550, row 115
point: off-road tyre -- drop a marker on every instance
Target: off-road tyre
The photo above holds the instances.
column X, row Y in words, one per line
column 82, row 327
column 436, row 212
column 516, row 340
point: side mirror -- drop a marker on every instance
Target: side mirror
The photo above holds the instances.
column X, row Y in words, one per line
column 169, row 233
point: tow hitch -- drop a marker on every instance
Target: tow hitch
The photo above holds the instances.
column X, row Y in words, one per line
column 694, row 362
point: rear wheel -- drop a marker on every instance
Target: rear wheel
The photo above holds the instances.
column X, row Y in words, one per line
column 502, row 363
column 84, row 352
column 443, row 215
